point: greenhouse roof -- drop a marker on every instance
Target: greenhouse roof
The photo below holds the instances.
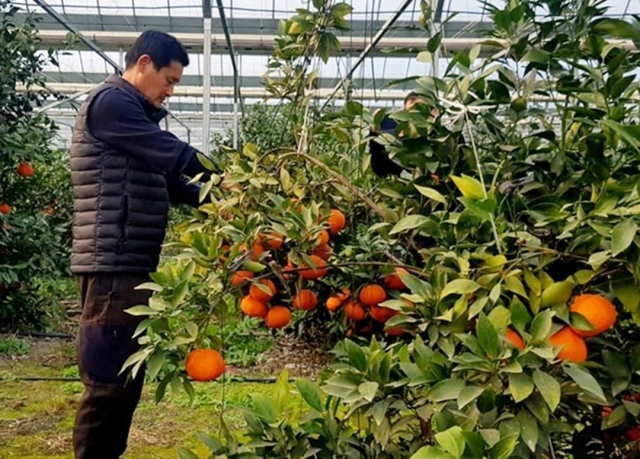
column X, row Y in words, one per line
column 112, row 25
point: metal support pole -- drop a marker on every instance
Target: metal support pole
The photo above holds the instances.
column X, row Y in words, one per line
column 61, row 102
column 232, row 55
column 206, row 75
column 54, row 14
column 436, row 6
column 121, row 56
column 365, row 52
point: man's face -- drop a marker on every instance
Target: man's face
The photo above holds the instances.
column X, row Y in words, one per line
column 157, row 85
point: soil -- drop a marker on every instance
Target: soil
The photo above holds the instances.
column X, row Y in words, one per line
column 300, row 358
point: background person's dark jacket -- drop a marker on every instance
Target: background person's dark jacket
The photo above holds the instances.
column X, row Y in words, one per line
column 125, row 172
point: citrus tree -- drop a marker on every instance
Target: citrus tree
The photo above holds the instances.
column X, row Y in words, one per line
column 498, row 274
column 35, row 192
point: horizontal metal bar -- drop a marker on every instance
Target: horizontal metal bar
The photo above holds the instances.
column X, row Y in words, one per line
column 260, row 44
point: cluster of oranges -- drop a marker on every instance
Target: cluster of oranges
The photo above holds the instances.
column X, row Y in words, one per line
column 366, row 303
column 595, row 309
column 263, row 300
column 24, row 170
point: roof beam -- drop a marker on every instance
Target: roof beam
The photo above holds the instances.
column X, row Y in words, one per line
column 261, row 44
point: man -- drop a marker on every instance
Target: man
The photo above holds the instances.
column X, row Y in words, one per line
column 125, row 172
column 381, row 164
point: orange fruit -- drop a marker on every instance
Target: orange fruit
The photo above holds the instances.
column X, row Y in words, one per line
column 277, row 317
column 372, row 294
column 394, row 282
column 395, row 331
column 354, row 311
column 305, row 300
column 5, row 208
column 333, row 303
column 381, row 314
column 258, row 294
column 316, row 272
column 287, row 270
column 252, row 307
column 598, row 311
column 272, row 240
column 324, row 237
column 336, row 221
column 514, row 338
column 204, row 365
column 257, row 249
column 323, row 251
column 573, row 346
column 240, row 277
column 25, row 170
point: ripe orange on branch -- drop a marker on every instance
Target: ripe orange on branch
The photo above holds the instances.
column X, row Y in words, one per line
column 314, row 272
column 204, row 364
column 372, row 294
column 394, row 282
column 25, row 170
column 252, row 307
column 277, row 317
column 5, row 208
column 598, row 311
column 240, row 277
column 573, row 346
column 336, row 221
column 272, row 240
column 259, row 294
column 354, row 311
column 323, row 251
column 514, row 338
column 305, row 300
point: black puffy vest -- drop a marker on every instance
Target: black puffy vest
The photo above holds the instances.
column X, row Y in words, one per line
column 120, row 207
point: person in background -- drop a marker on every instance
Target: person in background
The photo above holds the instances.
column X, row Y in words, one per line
column 381, row 164
column 126, row 172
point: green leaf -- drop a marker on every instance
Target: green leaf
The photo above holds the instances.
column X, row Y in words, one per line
column 521, row 386
column 548, row 387
column 618, row 28
column 452, row 441
column 541, row 326
column 622, row 236
column 408, row 223
column 149, row 286
column 186, row 454
column 368, row 390
column 628, row 293
column 528, row 429
column 468, row 395
column 469, row 186
column 154, row 364
column 617, row 417
column 597, row 259
column 536, row 55
column 264, row 408
column 487, row 335
column 180, row 293
column 448, row 389
column 514, row 284
column 141, row 311
column 459, row 286
column 585, row 380
column 310, row 393
column 504, row 448
column 431, row 452
column 557, row 293
column 356, row 355
column 431, row 194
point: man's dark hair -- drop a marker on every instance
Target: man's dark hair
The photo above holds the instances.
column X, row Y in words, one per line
column 161, row 47
column 413, row 96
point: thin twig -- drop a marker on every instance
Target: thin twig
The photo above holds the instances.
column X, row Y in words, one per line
column 343, row 181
